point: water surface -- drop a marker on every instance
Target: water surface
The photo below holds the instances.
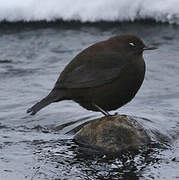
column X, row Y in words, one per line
column 31, row 59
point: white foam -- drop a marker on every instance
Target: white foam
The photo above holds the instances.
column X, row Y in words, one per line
column 89, row 10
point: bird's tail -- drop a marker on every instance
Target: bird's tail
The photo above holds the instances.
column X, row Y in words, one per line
column 52, row 97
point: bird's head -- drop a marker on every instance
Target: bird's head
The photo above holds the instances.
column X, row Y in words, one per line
column 131, row 44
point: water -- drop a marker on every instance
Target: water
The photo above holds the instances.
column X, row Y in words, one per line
column 37, row 147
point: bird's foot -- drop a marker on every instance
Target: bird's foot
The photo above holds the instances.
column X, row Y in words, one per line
column 101, row 110
column 108, row 114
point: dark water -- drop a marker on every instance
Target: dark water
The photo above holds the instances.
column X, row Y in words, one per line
column 34, row 147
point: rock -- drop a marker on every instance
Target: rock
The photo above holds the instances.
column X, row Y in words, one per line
column 112, row 134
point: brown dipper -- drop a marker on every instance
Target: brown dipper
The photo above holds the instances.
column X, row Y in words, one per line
column 103, row 77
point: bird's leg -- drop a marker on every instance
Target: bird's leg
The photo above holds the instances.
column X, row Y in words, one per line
column 101, row 110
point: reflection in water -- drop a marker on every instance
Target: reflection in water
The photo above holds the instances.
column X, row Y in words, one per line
column 62, row 159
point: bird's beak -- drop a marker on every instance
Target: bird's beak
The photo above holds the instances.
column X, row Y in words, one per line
column 149, row 48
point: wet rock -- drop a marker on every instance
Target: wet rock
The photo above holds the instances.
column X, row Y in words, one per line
column 112, row 134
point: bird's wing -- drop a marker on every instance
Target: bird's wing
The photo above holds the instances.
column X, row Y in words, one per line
column 91, row 70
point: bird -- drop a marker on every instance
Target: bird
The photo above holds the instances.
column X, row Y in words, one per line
column 103, row 77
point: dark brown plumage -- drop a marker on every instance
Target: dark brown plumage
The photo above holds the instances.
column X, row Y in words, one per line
column 103, row 77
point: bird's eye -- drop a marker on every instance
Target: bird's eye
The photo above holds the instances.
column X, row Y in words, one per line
column 131, row 44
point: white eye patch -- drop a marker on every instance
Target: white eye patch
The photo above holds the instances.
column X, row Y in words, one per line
column 132, row 44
